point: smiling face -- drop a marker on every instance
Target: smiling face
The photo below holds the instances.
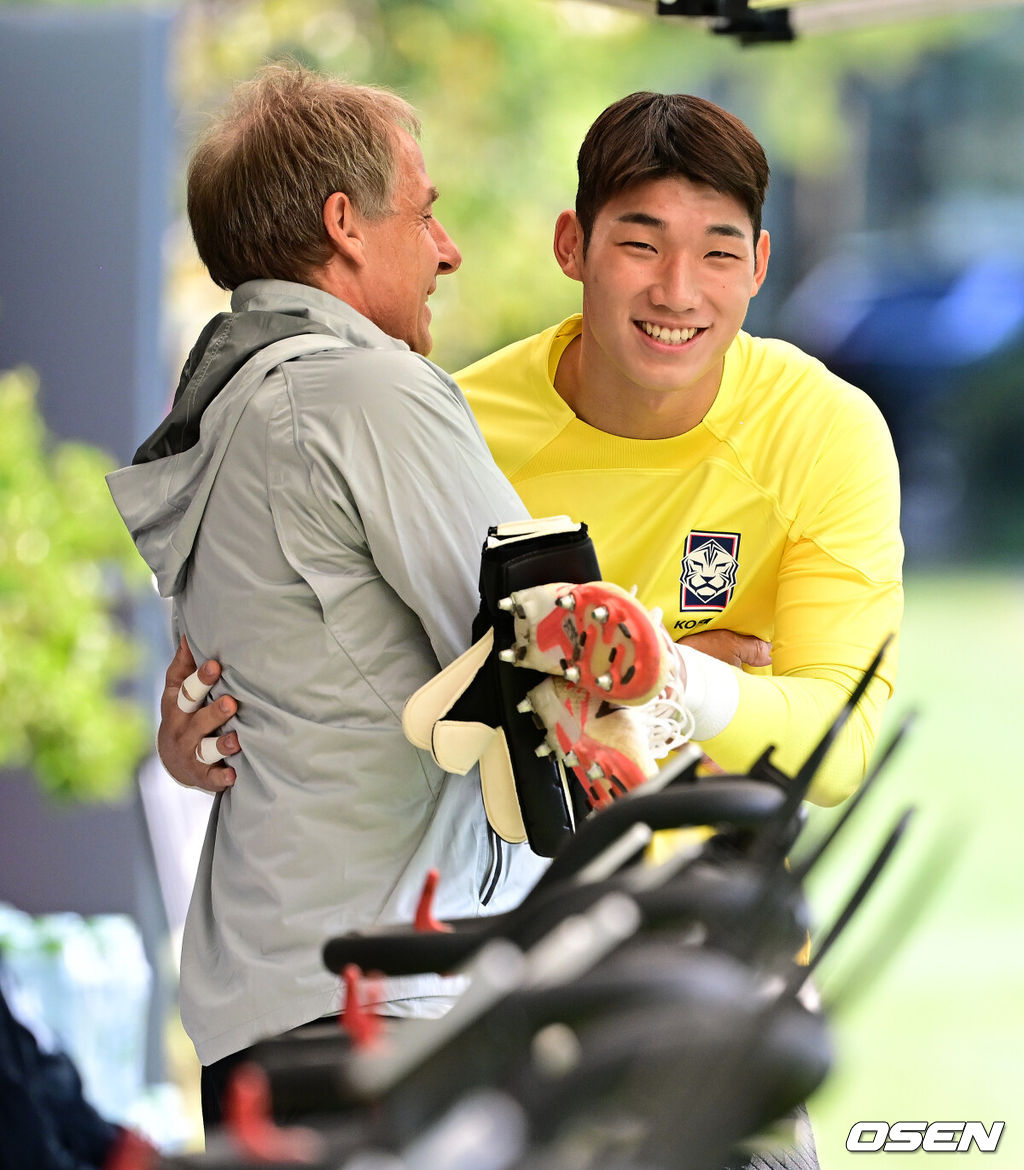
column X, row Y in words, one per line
column 405, row 252
column 668, row 273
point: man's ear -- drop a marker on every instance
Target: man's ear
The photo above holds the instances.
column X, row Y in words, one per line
column 343, row 225
column 762, row 250
column 568, row 245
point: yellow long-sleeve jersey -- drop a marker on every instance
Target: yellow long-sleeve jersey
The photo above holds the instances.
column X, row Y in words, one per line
column 778, row 515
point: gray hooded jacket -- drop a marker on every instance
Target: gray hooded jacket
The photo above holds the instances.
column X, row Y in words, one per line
column 321, row 536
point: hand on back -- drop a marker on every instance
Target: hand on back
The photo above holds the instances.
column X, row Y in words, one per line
column 181, row 732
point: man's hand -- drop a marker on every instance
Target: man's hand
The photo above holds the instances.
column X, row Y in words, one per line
column 181, row 733
column 735, row 649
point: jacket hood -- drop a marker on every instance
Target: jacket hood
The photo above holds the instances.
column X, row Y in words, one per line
column 224, row 346
column 163, row 493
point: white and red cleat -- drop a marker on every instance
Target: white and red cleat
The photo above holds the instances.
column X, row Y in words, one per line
column 596, row 636
column 606, row 747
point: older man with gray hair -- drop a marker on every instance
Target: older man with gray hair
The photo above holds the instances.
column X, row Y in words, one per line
column 296, row 529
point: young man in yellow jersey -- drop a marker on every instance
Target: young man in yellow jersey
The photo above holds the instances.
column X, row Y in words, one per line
column 750, row 494
column 741, row 486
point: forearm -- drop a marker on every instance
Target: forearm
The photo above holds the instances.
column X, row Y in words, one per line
column 791, row 713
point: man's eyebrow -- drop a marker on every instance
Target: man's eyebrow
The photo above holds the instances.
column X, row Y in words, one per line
column 642, row 219
column 433, row 195
column 725, row 229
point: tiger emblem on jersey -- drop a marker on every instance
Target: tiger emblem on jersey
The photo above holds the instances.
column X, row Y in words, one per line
column 709, row 568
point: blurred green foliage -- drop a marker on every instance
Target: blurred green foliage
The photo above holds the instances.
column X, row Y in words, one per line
column 66, row 563
column 506, row 90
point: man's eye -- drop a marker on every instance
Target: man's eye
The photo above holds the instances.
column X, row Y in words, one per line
column 642, row 244
column 723, row 255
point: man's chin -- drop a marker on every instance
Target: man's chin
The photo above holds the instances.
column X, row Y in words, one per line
column 422, row 343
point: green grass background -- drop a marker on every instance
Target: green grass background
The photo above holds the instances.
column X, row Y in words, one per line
column 927, row 1008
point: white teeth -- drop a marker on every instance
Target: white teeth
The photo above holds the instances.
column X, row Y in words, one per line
column 667, row 336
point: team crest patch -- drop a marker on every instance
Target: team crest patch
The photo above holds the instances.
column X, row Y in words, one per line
column 708, row 574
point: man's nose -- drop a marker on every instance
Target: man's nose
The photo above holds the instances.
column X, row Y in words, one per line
column 449, row 258
column 676, row 286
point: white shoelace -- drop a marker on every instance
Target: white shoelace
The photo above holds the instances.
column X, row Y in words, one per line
column 668, row 723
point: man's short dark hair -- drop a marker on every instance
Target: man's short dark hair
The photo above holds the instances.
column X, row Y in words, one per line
column 658, row 135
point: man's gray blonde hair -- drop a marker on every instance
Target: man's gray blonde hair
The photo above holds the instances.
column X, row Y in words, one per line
column 259, row 177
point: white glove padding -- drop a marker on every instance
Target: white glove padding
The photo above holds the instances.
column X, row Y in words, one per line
column 456, row 745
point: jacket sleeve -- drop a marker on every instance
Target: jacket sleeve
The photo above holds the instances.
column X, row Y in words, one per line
column 839, row 597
